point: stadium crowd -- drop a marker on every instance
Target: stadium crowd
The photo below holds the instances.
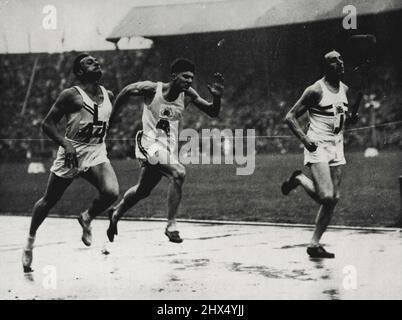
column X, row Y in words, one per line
column 247, row 103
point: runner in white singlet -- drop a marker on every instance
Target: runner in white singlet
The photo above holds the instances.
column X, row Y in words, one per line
column 160, row 121
column 164, row 104
column 82, row 150
column 327, row 107
column 327, row 122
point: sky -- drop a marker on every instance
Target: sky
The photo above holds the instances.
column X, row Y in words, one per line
column 83, row 25
column 60, row 25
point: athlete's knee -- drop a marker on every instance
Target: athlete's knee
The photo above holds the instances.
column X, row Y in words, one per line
column 179, row 174
column 326, row 198
column 110, row 193
column 138, row 192
column 143, row 192
column 336, row 197
column 46, row 203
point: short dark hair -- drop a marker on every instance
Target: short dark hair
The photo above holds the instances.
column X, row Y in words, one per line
column 77, row 62
column 320, row 58
column 182, row 65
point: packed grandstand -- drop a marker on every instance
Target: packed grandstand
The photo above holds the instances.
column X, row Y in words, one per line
column 265, row 70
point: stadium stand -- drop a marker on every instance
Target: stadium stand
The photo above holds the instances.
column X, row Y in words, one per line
column 264, row 75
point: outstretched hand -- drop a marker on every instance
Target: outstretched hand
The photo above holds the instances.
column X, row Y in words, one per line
column 216, row 89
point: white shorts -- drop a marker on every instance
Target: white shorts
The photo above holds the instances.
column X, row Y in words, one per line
column 89, row 155
column 328, row 151
column 153, row 152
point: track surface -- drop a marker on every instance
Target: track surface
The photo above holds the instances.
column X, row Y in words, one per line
column 213, row 262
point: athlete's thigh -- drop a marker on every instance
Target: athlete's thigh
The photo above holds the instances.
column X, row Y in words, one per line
column 56, row 186
column 171, row 169
column 322, row 178
column 336, row 175
column 168, row 165
column 103, row 177
column 149, row 177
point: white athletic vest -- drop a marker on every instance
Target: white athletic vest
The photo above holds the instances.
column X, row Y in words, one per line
column 160, row 119
column 327, row 119
column 89, row 125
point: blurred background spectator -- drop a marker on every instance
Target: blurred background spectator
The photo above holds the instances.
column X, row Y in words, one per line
column 265, row 74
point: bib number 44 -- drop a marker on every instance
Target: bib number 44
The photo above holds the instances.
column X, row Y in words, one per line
column 163, row 125
column 340, row 117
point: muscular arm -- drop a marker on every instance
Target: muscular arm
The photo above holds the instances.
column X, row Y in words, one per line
column 353, row 115
column 210, row 108
column 310, row 97
column 66, row 103
column 143, row 88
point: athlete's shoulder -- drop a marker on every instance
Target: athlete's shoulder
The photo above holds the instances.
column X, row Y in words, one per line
column 313, row 92
column 68, row 101
column 147, row 85
column 110, row 94
column 72, row 91
column 316, row 87
column 345, row 86
column 142, row 87
column 69, row 95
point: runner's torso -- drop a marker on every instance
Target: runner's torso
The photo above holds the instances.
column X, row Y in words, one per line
column 328, row 117
column 89, row 125
column 160, row 119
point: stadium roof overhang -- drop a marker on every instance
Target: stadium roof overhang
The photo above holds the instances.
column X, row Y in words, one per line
column 231, row 15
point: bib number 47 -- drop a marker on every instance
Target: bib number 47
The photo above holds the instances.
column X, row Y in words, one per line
column 95, row 129
column 92, row 130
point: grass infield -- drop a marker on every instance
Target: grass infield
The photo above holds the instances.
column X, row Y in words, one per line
column 370, row 194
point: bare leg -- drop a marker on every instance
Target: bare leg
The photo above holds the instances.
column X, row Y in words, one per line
column 300, row 179
column 176, row 174
column 103, row 177
column 148, row 179
column 327, row 191
column 54, row 190
column 308, row 186
column 174, row 198
column 336, row 175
